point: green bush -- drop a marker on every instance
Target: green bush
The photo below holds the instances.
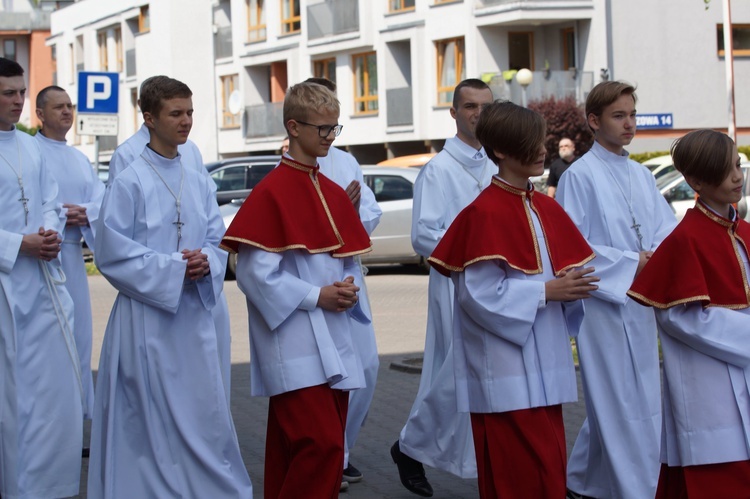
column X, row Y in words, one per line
column 565, row 118
column 645, row 156
column 30, row 131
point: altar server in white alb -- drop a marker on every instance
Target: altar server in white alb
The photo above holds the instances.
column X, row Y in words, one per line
column 125, row 154
column 41, row 408
column 80, row 195
column 519, row 286
column 615, row 204
column 162, row 426
column 436, row 434
column 697, row 282
column 342, row 168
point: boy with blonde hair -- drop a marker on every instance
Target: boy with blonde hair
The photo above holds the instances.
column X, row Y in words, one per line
column 296, row 235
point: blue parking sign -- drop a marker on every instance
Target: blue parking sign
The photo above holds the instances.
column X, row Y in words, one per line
column 98, row 92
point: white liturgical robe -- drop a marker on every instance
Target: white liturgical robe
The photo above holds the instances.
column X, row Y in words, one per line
column 616, row 453
column 41, row 408
column 342, row 168
column 435, row 433
column 77, row 184
column 125, row 154
column 162, row 426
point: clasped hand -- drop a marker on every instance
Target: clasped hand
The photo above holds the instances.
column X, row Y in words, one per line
column 76, row 215
column 571, row 285
column 197, row 264
column 339, row 296
column 44, row 245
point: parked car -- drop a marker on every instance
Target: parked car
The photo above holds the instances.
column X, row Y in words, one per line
column 235, row 177
column 394, row 191
column 408, row 161
column 681, row 197
column 662, row 165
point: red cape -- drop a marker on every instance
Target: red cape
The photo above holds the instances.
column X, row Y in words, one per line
column 296, row 207
column 498, row 226
column 698, row 262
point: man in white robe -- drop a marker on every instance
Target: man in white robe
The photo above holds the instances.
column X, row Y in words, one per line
column 80, row 194
column 342, row 168
column 162, row 426
column 41, row 409
column 125, row 154
column 435, row 433
column 615, row 204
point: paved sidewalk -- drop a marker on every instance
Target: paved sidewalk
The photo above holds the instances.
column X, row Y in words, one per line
column 399, row 305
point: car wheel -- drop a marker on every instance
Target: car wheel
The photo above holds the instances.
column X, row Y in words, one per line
column 231, row 267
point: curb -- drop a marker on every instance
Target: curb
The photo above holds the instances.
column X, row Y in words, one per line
column 411, row 365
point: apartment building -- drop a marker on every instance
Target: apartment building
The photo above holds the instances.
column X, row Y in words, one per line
column 396, row 62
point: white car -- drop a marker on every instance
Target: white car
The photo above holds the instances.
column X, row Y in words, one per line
column 681, row 197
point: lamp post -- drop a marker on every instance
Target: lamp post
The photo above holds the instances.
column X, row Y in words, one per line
column 524, row 77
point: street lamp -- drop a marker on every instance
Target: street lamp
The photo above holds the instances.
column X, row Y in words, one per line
column 524, row 77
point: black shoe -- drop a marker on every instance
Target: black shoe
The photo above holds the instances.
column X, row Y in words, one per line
column 352, row 474
column 411, row 473
column 575, row 495
column 85, row 452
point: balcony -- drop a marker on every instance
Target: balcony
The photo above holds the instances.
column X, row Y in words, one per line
column 130, row 63
column 532, row 4
column 264, row 120
column 399, row 108
column 223, row 42
column 557, row 84
column 25, row 21
column 333, row 17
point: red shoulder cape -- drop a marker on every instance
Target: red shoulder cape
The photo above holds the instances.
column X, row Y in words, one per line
column 497, row 225
column 296, row 207
column 698, row 262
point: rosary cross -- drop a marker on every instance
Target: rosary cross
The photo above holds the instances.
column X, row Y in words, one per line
column 637, row 227
column 24, row 200
column 179, row 225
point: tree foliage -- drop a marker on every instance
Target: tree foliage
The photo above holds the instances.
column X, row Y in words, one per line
column 565, row 118
column 24, row 128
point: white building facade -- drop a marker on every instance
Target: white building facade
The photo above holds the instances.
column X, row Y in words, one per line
column 396, row 62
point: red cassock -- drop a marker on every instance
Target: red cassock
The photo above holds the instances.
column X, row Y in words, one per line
column 498, row 226
column 296, row 207
column 698, row 262
column 520, row 453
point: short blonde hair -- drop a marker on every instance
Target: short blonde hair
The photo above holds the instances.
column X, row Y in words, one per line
column 305, row 97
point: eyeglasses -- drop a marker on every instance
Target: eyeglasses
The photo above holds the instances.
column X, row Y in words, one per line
column 325, row 130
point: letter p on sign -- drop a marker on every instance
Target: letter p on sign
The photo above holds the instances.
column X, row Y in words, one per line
column 98, row 92
column 98, row 88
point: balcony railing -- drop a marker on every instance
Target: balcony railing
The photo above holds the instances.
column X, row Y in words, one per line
column 23, row 21
column 552, row 4
column 332, row 17
column 558, row 84
column 264, row 120
column 399, row 104
column 223, row 42
column 130, row 62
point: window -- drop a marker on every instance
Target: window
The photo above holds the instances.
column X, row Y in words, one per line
column 390, row 187
column 228, row 85
column 290, row 17
column 400, row 5
column 256, row 21
column 450, row 67
column 118, row 48
column 101, row 40
column 521, row 50
column 144, row 20
column 740, row 39
column 569, row 48
column 365, row 83
column 9, row 49
column 325, row 68
column 54, row 64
